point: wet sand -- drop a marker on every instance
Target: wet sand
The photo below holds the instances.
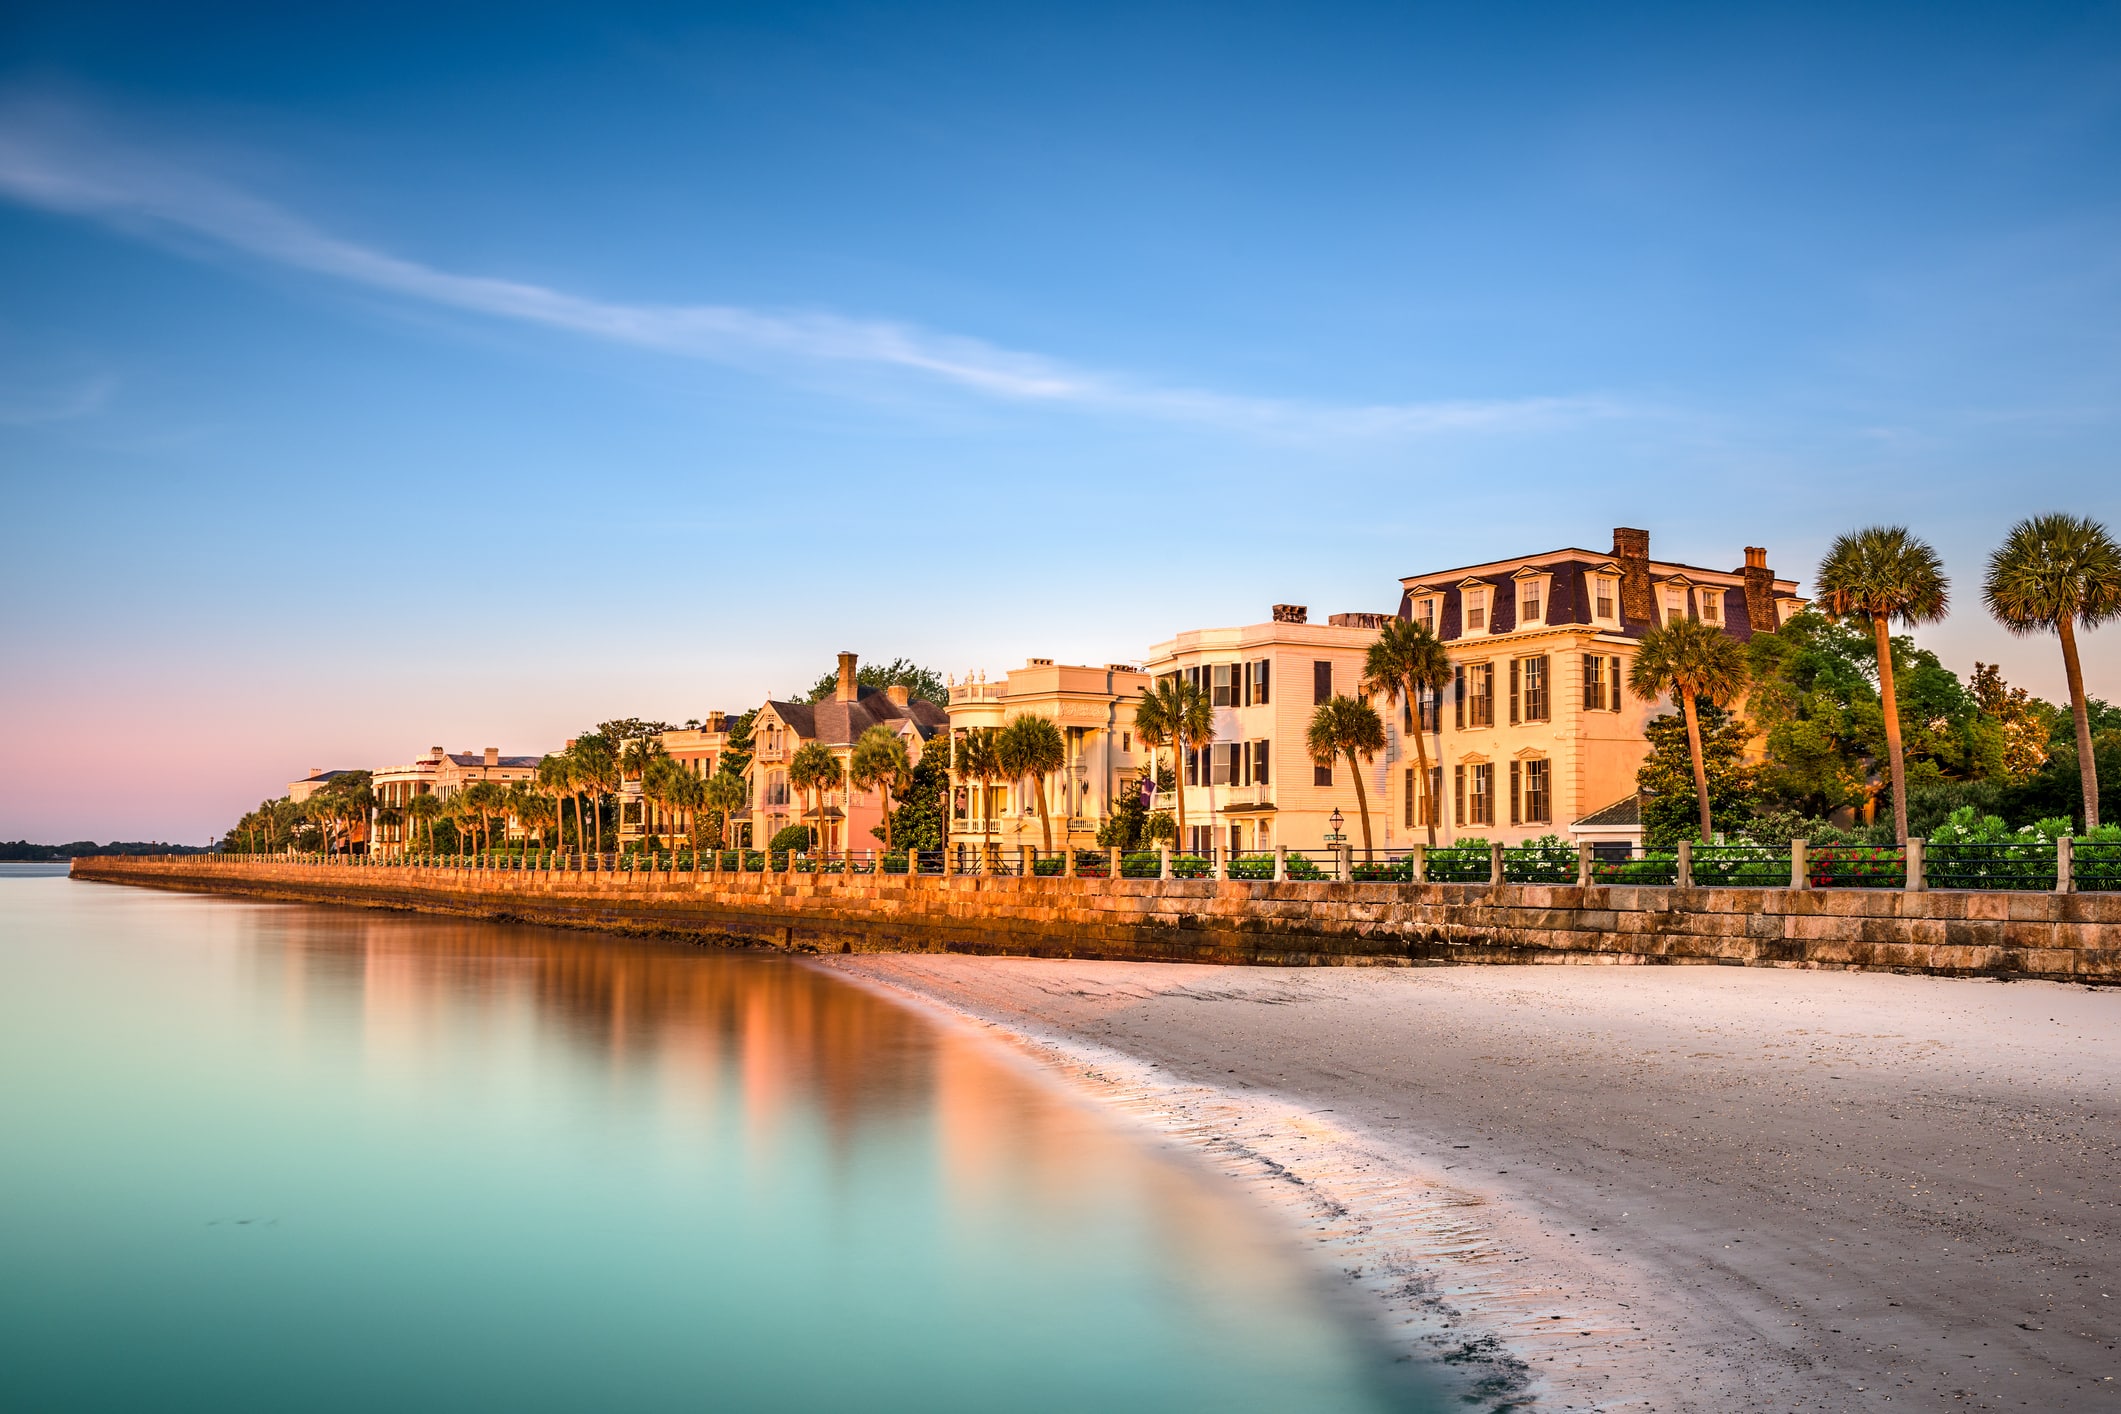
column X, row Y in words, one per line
column 1669, row 1188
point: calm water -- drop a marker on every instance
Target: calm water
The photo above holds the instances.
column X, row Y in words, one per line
column 258, row 1156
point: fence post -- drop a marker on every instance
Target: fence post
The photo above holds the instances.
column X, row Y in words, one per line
column 1163, row 861
column 1222, row 860
column 1344, row 863
column 1067, row 861
column 1112, row 866
column 1583, row 864
column 947, row 870
column 2066, row 865
column 1684, row 876
column 1918, row 877
column 1024, row 856
column 1494, row 862
column 1800, row 871
column 1419, row 857
column 1281, row 863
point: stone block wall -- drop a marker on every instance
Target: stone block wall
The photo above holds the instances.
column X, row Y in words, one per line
column 2068, row 936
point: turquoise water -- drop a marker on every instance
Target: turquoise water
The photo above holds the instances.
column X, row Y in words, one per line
column 259, row 1156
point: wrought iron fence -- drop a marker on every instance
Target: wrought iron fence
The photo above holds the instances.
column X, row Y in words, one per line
column 1463, row 864
column 2008, row 865
column 2096, row 867
column 1740, row 866
column 1539, row 864
column 1856, row 866
column 1657, row 868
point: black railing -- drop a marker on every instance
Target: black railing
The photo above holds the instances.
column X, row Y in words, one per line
column 1740, row 866
column 2028, row 866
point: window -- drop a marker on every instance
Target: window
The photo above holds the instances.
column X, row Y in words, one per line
column 1222, row 692
column 1425, row 613
column 1480, row 694
column 1431, row 709
column 1536, row 792
column 1528, row 682
column 1192, row 766
column 1193, row 677
column 1712, row 606
column 1321, row 775
column 1674, row 604
column 1480, row 805
column 1260, row 751
column 1419, row 808
column 1321, row 681
column 1256, row 683
column 1476, row 611
column 1528, row 601
column 1602, row 597
column 1458, row 794
column 1594, row 682
column 1126, row 742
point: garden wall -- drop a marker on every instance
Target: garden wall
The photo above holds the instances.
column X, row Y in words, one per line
column 2074, row 936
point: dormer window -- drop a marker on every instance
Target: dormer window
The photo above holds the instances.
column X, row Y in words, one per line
column 1528, row 605
column 1425, row 612
column 1603, row 588
column 1674, row 603
column 1476, row 610
column 1712, row 606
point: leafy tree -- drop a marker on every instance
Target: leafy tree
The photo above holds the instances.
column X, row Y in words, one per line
column 736, row 749
column 792, row 839
column 2023, row 721
column 724, row 793
column 1674, row 780
column 1406, row 661
column 1032, row 746
column 1350, row 727
column 899, row 672
column 1128, row 817
column 1879, row 574
column 881, row 763
column 2052, row 573
column 596, row 774
column 1695, row 664
column 917, row 823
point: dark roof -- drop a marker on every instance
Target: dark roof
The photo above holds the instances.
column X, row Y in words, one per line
column 467, row 759
column 838, row 723
column 1621, row 814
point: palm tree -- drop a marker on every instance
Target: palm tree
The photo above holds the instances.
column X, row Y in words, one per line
column 1178, row 714
column 814, row 768
column 1350, row 727
column 555, row 779
column 1883, row 573
column 636, row 759
column 424, row 807
column 978, row 760
column 725, row 794
column 1406, row 661
column 596, row 776
column 880, row 762
column 1694, row 663
column 2052, row 573
column 1032, row 746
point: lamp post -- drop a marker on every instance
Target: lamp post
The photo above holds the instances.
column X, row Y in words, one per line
column 1336, row 820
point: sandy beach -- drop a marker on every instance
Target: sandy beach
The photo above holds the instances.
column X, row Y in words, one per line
column 1637, row 1188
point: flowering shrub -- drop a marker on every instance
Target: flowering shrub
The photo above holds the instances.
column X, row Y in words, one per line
column 1653, row 867
column 1546, row 860
column 1463, row 863
column 1857, row 866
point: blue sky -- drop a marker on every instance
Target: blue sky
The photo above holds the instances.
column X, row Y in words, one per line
column 459, row 376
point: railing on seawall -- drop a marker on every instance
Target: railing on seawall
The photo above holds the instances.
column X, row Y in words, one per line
column 2060, row 866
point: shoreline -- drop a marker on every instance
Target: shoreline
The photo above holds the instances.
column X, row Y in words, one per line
column 1736, row 1189
column 1433, row 1261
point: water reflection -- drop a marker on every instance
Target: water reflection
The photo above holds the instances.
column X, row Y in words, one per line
column 515, row 1166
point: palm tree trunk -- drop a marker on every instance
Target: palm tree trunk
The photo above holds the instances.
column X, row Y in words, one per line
column 1421, row 757
column 1362, row 804
column 2087, row 768
column 1178, row 787
column 1045, row 821
column 1701, row 774
column 1892, row 725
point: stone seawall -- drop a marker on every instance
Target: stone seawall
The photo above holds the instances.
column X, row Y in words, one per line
column 2066, row 936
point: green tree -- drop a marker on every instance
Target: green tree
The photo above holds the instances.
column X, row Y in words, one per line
column 978, row 760
column 1175, row 713
column 1032, row 746
column 1694, row 663
column 2050, row 574
column 1671, row 804
column 882, row 764
column 424, row 809
column 596, row 774
column 1879, row 574
column 736, row 749
column 814, row 768
column 899, row 672
column 725, row 795
column 1350, row 727
column 1406, row 661
column 917, row 823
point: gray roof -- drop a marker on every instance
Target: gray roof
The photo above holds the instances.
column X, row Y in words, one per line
column 521, row 762
column 839, row 723
column 1621, row 814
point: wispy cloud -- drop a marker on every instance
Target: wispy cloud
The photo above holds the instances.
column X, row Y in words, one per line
column 24, row 407
column 60, row 158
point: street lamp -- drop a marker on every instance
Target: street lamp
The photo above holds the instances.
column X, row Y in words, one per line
column 1336, row 820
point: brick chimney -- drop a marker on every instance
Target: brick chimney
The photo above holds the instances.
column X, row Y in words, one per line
column 718, row 721
column 897, row 693
column 436, row 753
column 1291, row 613
column 1759, row 589
column 493, row 755
column 849, row 690
column 1637, row 599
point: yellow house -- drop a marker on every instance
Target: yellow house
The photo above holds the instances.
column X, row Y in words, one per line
column 1537, row 733
column 1093, row 709
column 1256, row 786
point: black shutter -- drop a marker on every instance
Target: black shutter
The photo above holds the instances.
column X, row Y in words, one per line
column 1321, row 680
column 1458, row 794
column 1458, row 678
column 1259, row 763
column 1515, row 794
column 1263, row 682
column 1613, row 672
column 1513, row 696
